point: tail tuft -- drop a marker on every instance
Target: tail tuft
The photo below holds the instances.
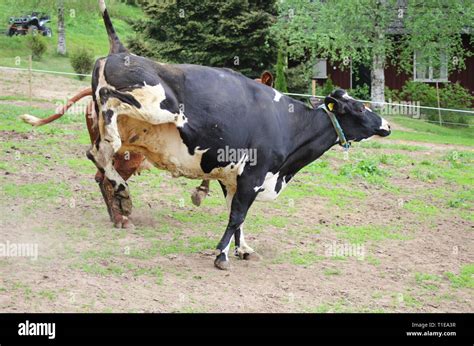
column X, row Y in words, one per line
column 30, row 119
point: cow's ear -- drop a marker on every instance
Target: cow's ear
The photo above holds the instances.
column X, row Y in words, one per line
column 267, row 78
column 332, row 104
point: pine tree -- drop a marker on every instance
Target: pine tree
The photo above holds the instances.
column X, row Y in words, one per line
column 221, row 33
column 280, row 79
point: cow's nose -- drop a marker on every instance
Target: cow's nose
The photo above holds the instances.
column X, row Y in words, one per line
column 384, row 129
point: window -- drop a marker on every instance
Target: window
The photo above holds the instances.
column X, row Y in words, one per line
column 425, row 70
column 320, row 69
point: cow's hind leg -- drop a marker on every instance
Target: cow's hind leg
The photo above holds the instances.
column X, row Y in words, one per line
column 239, row 202
column 242, row 250
column 200, row 193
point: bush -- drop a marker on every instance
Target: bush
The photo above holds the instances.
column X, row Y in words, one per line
column 299, row 78
column 82, row 61
column 418, row 91
column 37, row 45
column 361, row 92
column 327, row 88
column 451, row 95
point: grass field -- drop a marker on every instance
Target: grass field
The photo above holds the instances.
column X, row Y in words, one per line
column 83, row 21
column 387, row 229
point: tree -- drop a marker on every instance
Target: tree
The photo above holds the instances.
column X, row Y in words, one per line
column 61, row 50
column 280, row 79
column 373, row 32
column 224, row 33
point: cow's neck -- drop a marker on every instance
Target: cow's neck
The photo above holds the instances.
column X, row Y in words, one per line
column 313, row 135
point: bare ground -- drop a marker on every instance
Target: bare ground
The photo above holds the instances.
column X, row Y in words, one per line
column 166, row 263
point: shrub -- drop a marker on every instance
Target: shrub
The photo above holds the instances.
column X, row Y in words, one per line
column 37, row 45
column 360, row 92
column 299, row 78
column 391, row 94
column 327, row 88
column 451, row 95
column 82, row 61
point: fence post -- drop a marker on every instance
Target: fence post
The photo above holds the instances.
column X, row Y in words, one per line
column 439, row 110
column 30, row 79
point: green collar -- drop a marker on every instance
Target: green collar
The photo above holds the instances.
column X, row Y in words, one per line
column 340, row 133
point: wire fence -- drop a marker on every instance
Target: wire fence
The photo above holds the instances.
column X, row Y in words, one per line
column 437, row 115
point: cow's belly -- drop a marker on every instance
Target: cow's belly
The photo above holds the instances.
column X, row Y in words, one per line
column 164, row 148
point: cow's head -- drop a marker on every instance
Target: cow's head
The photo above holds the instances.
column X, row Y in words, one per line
column 357, row 121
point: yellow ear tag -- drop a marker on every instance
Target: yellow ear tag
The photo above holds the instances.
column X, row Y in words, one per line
column 330, row 106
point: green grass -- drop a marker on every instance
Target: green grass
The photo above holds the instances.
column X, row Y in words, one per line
column 427, row 281
column 363, row 234
column 298, row 257
column 421, row 207
column 465, row 278
column 37, row 191
column 431, row 133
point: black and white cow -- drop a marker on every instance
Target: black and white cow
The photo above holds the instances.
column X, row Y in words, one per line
column 206, row 123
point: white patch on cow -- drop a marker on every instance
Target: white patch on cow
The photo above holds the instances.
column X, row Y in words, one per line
column 163, row 146
column 347, row 97
column 102, row 5
column 150, row 98
column 268, row 186
column 277, row 96
column 244, row 247
column 225, row 251
column 385, row 126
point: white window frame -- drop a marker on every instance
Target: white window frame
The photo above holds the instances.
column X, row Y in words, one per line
column 443, row 71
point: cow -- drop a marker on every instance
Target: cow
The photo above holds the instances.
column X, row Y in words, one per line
column 126, row 164
column 214, row 123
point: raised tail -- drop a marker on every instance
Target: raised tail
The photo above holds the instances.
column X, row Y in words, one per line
column 115, row 45
column 34, row 121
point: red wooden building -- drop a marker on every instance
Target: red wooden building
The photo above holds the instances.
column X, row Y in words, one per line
column 348, row 77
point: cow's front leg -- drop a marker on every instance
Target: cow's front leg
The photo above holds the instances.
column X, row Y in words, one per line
column 102, row 154
column 238, row 203
column 113, row 207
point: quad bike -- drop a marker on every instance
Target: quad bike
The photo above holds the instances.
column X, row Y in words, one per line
column 34, row 24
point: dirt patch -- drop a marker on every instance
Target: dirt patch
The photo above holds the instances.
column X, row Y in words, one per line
column 15, row 83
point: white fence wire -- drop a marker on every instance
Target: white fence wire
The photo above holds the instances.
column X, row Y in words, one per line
column 404, row 105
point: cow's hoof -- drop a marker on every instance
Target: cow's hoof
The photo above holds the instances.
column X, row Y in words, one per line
column 248, row 256
column 198, row 196
column 252, row 256
column 222, row 264
column 127, row 224
column 126, row 206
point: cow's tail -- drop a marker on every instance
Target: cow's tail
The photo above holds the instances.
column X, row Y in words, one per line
column 34, row 121
column 115, row 45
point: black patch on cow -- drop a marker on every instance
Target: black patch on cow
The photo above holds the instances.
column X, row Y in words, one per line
column 90, row 156
column 108, row 116
column 113, row 183
column 121, row 188
column 106, row 93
